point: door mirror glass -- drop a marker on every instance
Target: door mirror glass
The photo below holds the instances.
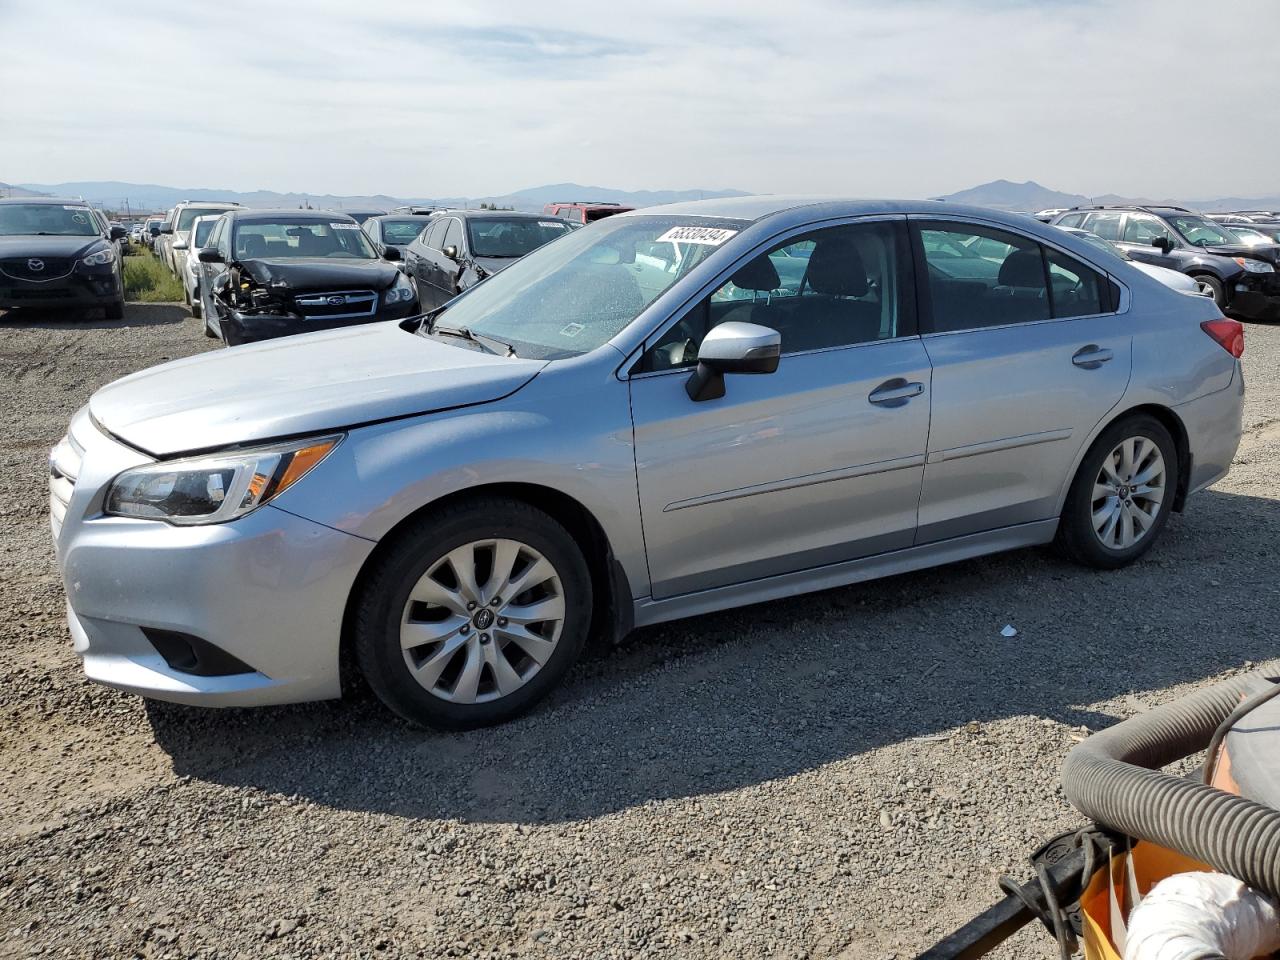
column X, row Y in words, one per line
column 451, row 252
column 733, row 347
column 166, row 228
column 119, row 233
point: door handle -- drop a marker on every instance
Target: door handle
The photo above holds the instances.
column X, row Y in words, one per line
column 895, row 392
column 1091, row 357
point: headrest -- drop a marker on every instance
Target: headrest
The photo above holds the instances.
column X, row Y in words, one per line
column 253, row 245
column 1022, row 268
column 759, row 275
column 836, row 268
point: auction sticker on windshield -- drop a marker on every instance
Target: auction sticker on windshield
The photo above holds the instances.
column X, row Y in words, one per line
column 345, row 226
column 710, row 236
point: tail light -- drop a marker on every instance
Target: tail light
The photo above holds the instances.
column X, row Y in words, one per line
column 1229, row 334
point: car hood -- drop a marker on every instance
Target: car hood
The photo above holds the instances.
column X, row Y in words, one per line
column 1170, row 278
column 299, row 385
column 320, row 273
column 1269, row 253
column 33, row 246
column 495, row 264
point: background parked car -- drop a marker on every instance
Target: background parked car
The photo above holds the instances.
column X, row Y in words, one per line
column 395, row 230
column 179, row 225
column 190, row 248
column 460, row 248
column 1241, row 279
column 272, row 273
column 1174, row 279
column 360, row 216
column 59, row 253
column 581, row 213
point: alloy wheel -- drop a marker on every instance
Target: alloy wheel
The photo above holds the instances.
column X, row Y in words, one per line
column 482, row 621
column 1128, row 493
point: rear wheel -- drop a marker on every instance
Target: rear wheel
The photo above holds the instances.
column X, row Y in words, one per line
column 1211, row 287
column 1122, row 494
column 473, row 615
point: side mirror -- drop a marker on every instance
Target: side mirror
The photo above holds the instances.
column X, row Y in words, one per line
column 166, row 228
column 210, row 255
column 733, row 347
column 179, row 244
column 119, row 233
column 1163, row 244
column 451, row 252
column 392, row 254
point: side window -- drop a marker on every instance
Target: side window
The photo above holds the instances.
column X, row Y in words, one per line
column 1077, row 290
column 980, row 277
column 829, row 288
column 1143, row 228
column 370, row 228
column 1105, row 225
column 453, row 235
column 1071, row 220
column 434, row 237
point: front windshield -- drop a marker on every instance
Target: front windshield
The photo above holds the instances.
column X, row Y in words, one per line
column 47, row 219
column 571, row 296
column 511, row 237
column 301, row 237
column 203, row 228
column 189, row 214
column 1202, row 232
column 1248, row 235
column 401, row 232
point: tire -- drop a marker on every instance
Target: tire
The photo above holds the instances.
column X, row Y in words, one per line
column 1147, row 503
column 1213, row 286
column 456, row 634
column 115, row 310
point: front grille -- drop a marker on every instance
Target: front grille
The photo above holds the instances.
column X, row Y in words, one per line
column 64, row 467
column 337, row 304
column 36, row 269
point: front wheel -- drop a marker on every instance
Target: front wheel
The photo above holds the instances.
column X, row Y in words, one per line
column 473, row 615
column 115, row 310
column 1211, row 287
column 1122, row 494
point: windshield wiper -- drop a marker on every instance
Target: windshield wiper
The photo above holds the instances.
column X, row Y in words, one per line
column 484, row 341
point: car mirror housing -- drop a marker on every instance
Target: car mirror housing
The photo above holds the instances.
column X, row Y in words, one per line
column 733, row 347
column 166, row 228
column 119, row 233
column 451, row 252
column 210, row 255
column 1162, row 243
column 391, row 254
column 179, row 244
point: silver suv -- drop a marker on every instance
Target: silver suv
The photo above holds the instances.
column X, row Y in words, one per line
column 666, row 413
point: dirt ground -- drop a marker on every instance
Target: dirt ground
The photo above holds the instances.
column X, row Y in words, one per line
column 838, row 775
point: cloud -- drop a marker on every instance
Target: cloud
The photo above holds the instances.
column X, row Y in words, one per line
column 912, row 98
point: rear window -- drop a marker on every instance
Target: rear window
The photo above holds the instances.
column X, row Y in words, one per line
column 512, row 237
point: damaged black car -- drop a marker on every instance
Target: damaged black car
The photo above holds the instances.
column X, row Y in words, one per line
column 274, row 273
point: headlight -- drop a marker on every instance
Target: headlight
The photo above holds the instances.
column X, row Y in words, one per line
column 101, row 258
column 215, row 488
column 1255, row 266
column 400, row 291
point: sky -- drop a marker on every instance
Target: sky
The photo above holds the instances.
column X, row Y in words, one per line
column 903, row 98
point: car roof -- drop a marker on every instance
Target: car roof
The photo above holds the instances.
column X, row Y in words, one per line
column 56, row 201
column 753, row 208
column 240, row 213
column 505, row 214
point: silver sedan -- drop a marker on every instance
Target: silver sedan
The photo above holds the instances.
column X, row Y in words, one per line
column 666, row 413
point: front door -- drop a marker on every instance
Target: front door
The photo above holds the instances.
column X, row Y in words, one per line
column 1023, row 370
column 817, row 463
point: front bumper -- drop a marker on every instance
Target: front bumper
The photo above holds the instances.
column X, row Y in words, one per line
column 268, row 590
column 240, row 328
column 1256, row 297
column 83, row 286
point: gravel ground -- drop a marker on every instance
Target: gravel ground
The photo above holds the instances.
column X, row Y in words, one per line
column 839, row 775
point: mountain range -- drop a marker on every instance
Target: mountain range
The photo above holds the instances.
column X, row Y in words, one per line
column 999, row 194
column 1031, row 196
column 142, row 197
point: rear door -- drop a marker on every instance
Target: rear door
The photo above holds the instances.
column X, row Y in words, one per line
column 817, row 463
column 1139, row 232
column 1028, row 355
